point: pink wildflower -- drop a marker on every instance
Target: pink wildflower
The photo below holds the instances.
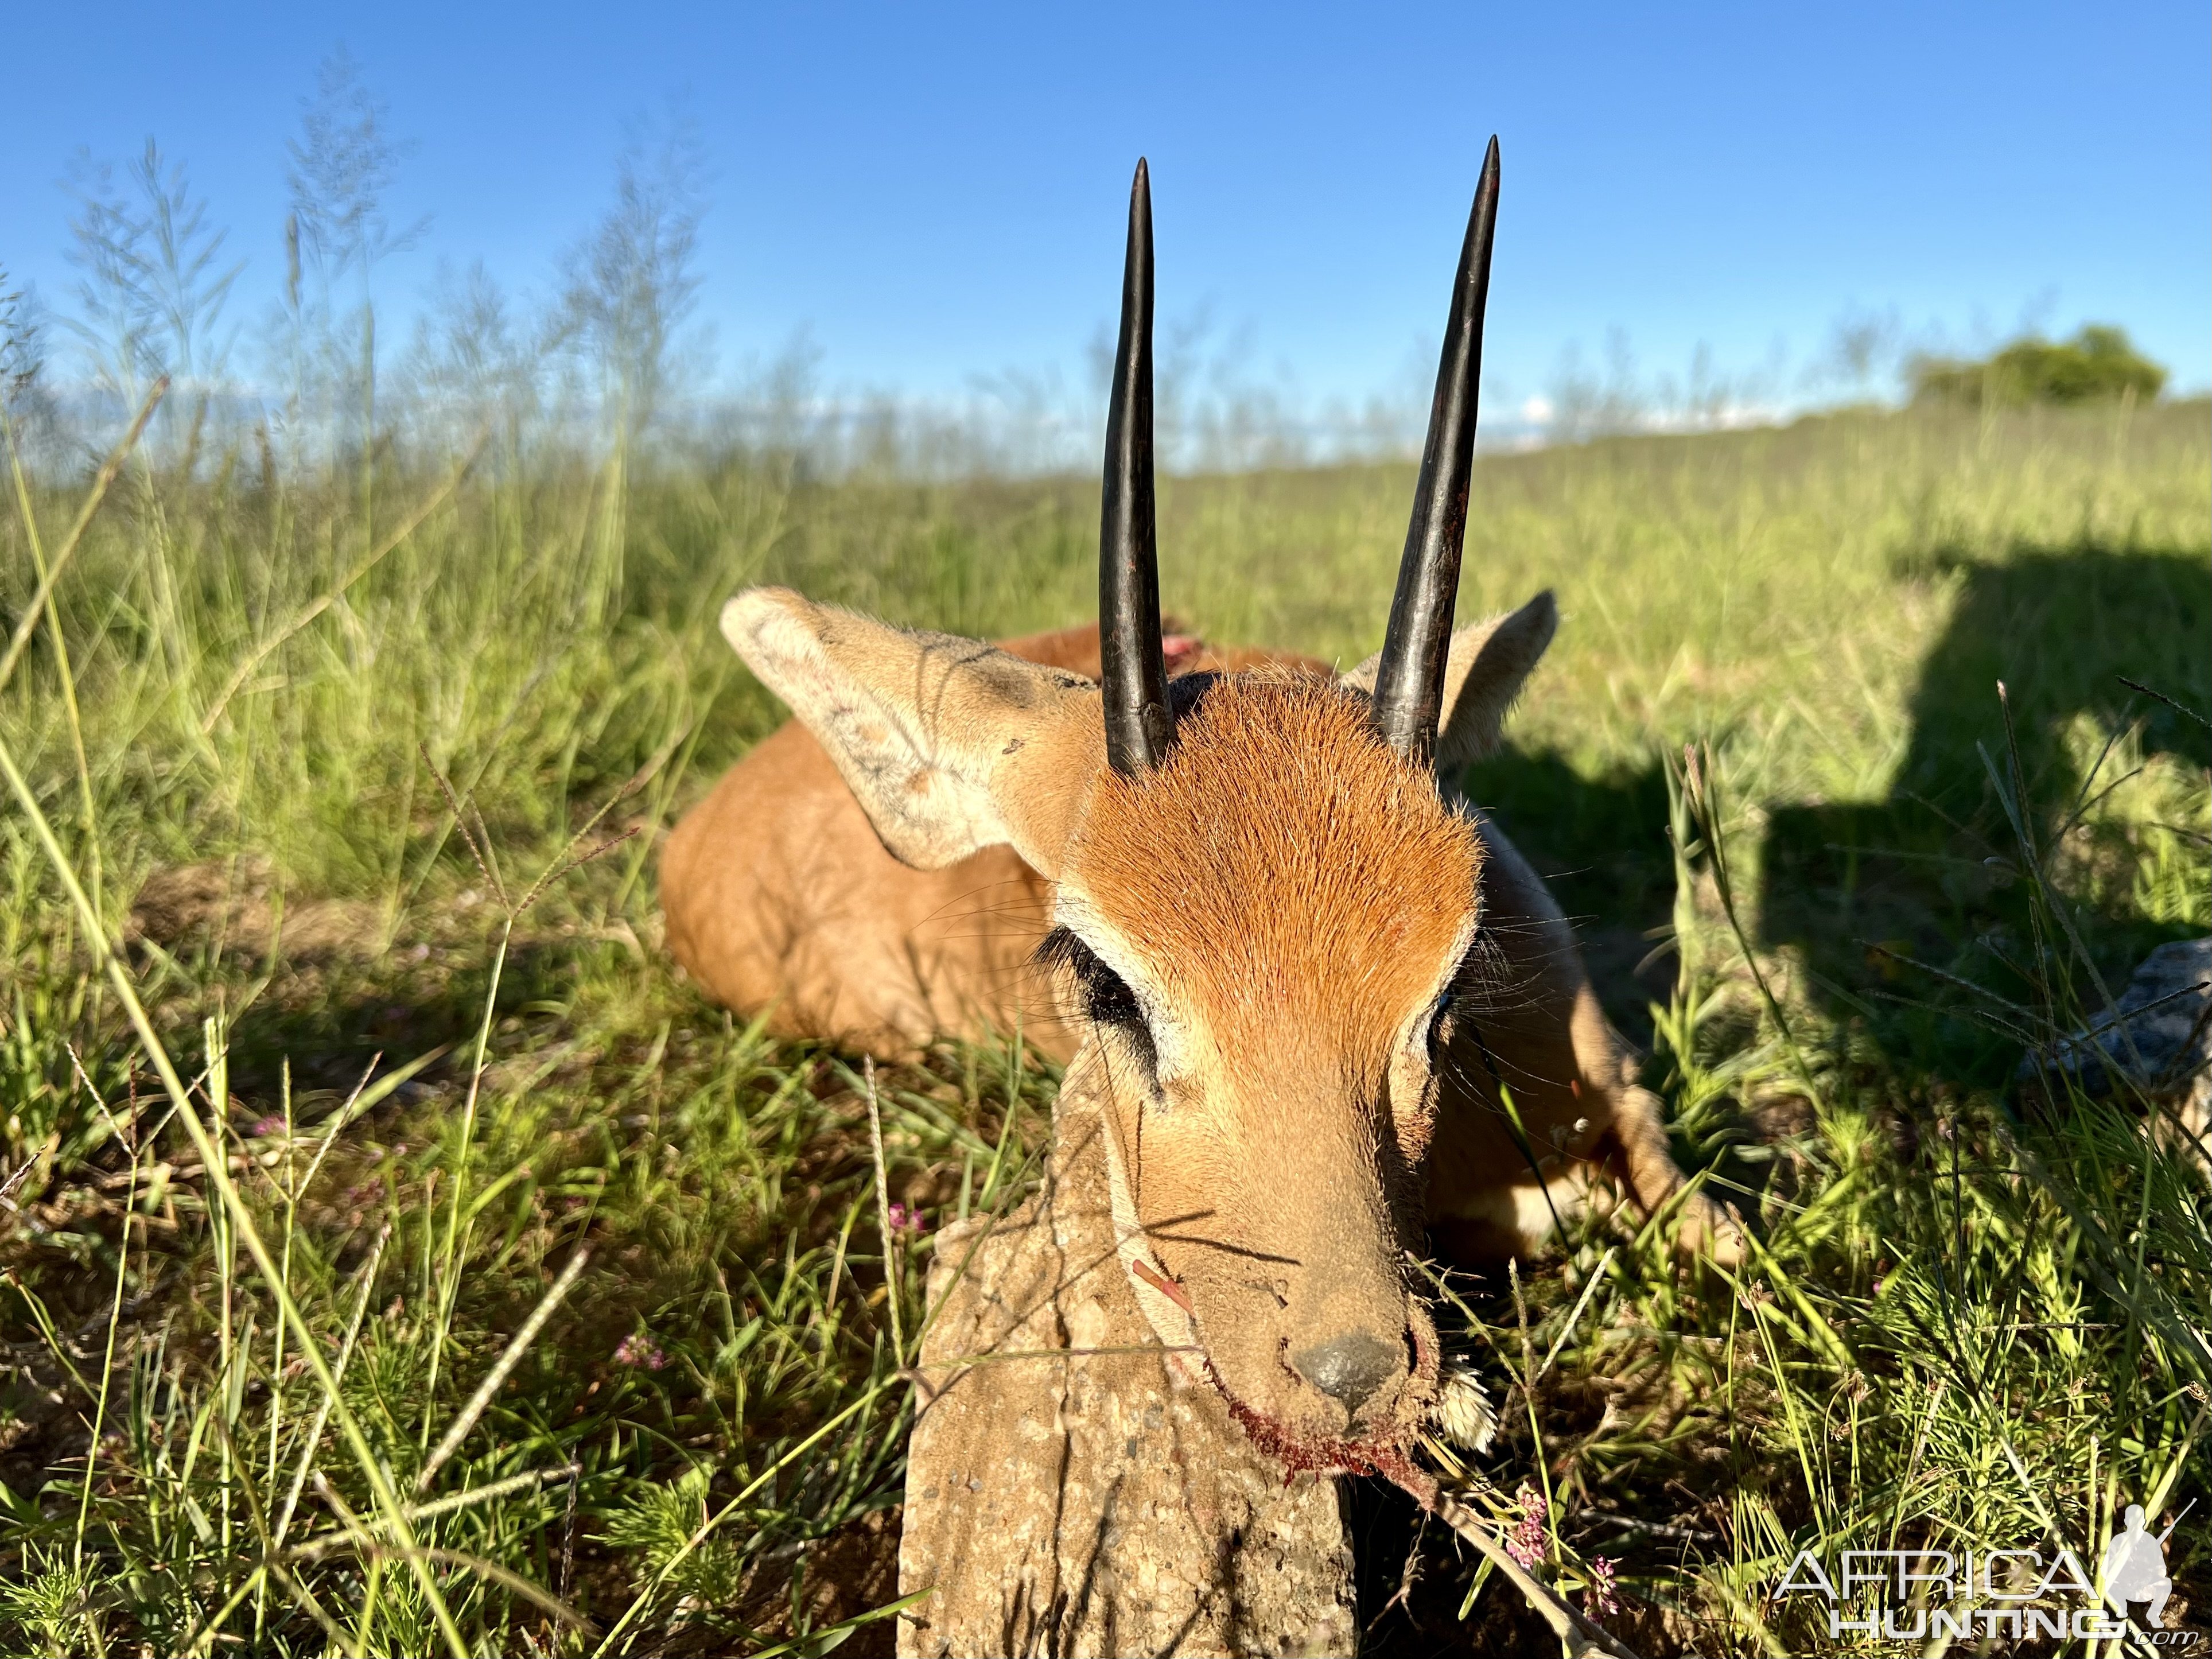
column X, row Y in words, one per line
column 263, row 1126
column 640, row 1350
column 1531, row 1536
column 904, row 1220
column 1599, row 1598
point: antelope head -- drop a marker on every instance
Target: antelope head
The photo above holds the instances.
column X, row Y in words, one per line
column 1264, row 904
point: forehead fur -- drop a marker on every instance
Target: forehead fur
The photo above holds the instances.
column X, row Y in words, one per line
column 1284, row 871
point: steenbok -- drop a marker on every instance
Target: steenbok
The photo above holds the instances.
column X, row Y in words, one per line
column 1330, row 1003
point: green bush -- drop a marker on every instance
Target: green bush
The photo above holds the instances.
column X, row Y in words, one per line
column 2099, row 363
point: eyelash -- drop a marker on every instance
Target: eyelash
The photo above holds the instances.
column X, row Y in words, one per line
column 1107, row 998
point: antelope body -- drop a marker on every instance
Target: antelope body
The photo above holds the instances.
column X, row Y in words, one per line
column 1330, row 1002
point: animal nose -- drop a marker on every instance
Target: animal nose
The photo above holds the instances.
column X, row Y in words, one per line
column 1351, row 1367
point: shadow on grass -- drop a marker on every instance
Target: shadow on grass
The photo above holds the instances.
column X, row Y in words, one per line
column 1912, row 872
column 1925, row 872
column 328, row 1019
column 2059, row 627
column 1601, row 844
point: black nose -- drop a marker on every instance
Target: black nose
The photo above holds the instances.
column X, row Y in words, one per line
column 1350, row 1367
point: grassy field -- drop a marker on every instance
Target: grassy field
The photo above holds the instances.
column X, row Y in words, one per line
column 399, row 1257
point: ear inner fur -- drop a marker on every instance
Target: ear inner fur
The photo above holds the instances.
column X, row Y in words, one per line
column 950, row 745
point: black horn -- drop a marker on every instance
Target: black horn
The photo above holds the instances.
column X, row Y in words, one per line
column 1410, row 678
column 1140, row 724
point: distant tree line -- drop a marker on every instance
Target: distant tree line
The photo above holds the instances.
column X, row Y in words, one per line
column 2099, row 364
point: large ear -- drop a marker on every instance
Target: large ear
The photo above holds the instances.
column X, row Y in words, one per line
column 949, row 745
column 1490, row 662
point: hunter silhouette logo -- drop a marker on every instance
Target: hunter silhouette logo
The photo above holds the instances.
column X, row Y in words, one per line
column 2135, row 1568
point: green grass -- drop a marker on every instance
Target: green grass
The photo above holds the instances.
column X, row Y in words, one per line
column 1976, row 1318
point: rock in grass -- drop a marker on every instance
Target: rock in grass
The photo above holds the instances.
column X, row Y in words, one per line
column 1093, row 1503
column 2158, row 1035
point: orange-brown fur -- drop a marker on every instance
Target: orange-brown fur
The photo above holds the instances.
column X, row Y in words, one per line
column 780, row 899
column 1326, row 914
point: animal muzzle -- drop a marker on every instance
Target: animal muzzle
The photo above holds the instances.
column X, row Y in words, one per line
column 1360, row 1374
column 1352, row 1367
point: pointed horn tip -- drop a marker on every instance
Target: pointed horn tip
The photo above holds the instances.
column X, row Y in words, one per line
column 1416, row 646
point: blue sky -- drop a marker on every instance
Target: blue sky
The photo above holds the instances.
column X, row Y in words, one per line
column 933, row 194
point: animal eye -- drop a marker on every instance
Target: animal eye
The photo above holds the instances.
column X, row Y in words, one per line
column 1107, row 998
